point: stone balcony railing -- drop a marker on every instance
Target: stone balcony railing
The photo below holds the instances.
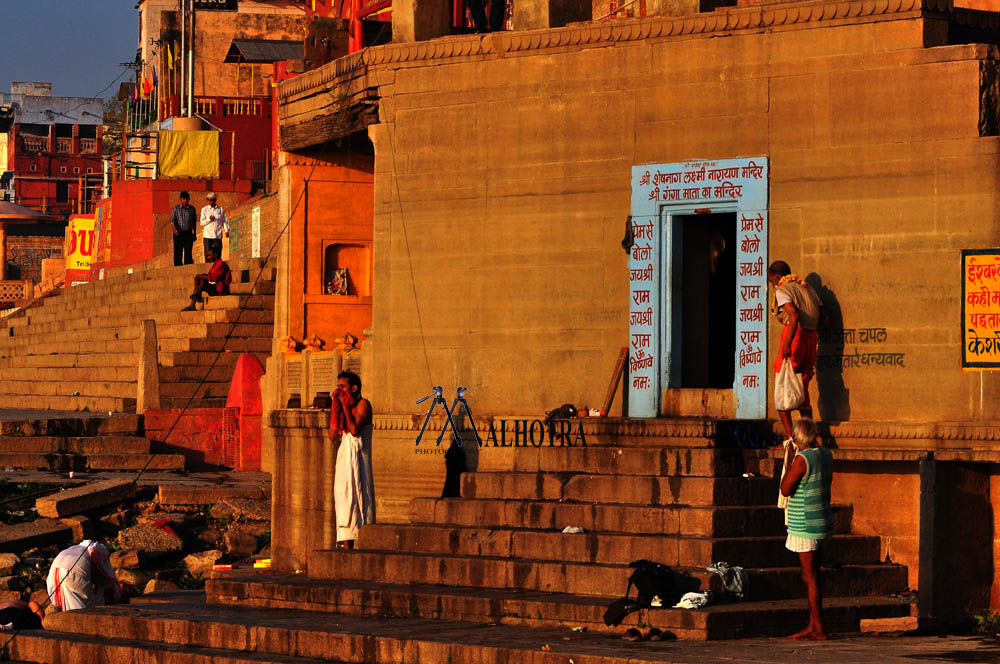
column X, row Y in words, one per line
column 13, row 291
column 88, row 145
column 64, row 145
column 34, row 143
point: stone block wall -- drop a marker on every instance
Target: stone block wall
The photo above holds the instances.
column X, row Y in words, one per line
column 501, row 195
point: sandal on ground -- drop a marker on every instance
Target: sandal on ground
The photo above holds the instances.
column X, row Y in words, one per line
column 632, row 634
column 189, row 307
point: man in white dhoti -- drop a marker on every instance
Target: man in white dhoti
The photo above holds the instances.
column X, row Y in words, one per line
column 81, row 578
column 351, row 427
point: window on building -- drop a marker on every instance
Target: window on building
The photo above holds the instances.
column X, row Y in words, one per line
column 62, row 192
column 34, row 167
column 34, row 129
column 62, row 169
column 90, row 170
column 76, row 169
column 88, row 131
column 64, row 130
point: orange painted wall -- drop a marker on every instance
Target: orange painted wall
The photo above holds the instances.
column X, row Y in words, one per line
column 333, row 202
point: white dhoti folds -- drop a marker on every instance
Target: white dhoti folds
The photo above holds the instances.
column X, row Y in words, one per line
column 353, row 487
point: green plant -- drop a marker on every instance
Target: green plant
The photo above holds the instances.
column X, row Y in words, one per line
column 264, row 539
column 988, row 622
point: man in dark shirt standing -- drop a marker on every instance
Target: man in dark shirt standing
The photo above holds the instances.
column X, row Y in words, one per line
column 182, row 220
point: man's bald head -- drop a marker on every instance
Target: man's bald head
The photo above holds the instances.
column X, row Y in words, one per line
column 779, row 269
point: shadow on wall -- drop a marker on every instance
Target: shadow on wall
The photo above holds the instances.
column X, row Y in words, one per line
column 834, row 397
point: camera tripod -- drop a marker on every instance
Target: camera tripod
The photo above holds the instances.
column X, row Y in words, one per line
column 439, row 398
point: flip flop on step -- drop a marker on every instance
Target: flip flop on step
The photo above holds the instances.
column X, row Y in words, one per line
column 632, row 634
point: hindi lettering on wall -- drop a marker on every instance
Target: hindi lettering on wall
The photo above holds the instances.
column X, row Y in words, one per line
column 981, row 309
column 737, row 186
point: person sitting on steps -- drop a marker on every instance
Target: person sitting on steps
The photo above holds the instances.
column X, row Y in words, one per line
column 216, row 282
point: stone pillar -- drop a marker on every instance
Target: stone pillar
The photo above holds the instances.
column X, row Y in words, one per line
column 303, row 514
column 419, row 20
column 148, row 391
column 543, row 14
column 3, row 250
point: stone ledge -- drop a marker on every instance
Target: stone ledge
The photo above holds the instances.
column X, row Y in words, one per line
column 626, row 30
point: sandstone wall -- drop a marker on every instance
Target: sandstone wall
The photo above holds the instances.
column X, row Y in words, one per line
column 502, row 190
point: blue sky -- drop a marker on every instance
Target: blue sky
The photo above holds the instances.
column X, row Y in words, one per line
column 76, row 44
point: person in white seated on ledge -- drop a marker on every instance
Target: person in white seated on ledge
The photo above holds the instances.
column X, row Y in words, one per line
column 351, row 429
column 81, row 578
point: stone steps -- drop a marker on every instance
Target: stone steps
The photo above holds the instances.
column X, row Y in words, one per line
column 81, row 403
column 69, row 373
column 220, row 373
column 62, row 462
column 199, row 359
column 71, row 425
column 184, row 389
column 63, row 444
column 593, row 579
column 610, row 488
column 705, row 520
column 94, row 388
column 622, row 460
column 176, row 632
column 607, row 548
column 216, row 322
column 530, row 609
column 87, row 360
column 217, row 344
column 43, row 646
column 74, row 445
column 92, row 332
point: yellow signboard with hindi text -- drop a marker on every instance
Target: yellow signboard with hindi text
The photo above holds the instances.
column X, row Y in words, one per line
column 981, row 309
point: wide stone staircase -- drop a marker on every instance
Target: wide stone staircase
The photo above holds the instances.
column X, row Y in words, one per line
column 491, row 577
column 81, row 444
column 80, row 350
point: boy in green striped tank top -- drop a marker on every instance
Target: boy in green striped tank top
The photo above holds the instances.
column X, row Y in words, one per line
column 810, row 520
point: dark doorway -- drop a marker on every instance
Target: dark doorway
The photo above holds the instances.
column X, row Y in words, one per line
column 707, row 307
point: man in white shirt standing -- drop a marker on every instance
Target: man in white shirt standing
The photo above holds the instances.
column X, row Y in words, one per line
column 213, row 224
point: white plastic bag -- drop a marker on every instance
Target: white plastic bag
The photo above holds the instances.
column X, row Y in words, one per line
column 788, row 392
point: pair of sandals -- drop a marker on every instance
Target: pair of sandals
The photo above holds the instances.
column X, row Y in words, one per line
column 633, row 634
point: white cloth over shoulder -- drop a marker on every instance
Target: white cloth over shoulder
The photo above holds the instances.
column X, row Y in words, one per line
column 353, row 486
column 79, row 576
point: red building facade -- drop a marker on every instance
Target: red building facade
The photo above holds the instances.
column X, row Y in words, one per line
column 53, row 146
